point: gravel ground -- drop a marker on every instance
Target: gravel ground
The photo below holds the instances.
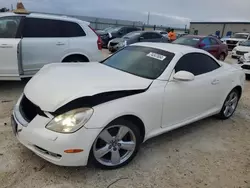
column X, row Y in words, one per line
column 209, row 153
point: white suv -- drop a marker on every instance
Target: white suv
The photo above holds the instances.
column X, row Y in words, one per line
column 29, row 41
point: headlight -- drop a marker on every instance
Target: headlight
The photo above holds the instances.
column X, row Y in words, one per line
column 234, row 49
column 122, row 44
column 70, row 121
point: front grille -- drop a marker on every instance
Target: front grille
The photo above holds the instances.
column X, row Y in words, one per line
column 232, row 42
column 46, row 152
column 240, row 53
column 113, row 44
column 246, row 67
column 29, row 110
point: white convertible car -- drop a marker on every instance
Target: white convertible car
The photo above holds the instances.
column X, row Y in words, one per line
column 100, row 113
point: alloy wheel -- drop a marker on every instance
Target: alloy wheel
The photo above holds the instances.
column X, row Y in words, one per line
column 231, row 104
column 114, row 145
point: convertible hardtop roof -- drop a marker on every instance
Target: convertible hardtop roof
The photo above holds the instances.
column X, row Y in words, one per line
column 174, row 48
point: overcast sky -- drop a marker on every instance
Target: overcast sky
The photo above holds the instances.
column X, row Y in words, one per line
column 162, row 12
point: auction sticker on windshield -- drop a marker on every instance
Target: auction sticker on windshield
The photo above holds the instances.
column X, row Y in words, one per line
column 195, row 39
column 156, row 56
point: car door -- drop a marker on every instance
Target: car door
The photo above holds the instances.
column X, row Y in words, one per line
column 189, row 100
column 206, row 45
column 215, row 51
column 42, row 43
column 157, row 37
column 147, row 37
column 9, row 45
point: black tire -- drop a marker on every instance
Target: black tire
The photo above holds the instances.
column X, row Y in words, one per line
column 222, row 57
column 222, row 115
column 75, row 59
column 136, row 132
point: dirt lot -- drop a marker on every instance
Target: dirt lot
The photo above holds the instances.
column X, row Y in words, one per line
column 209, row 153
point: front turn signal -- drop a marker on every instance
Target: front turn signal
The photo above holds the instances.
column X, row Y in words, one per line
column 73, row 150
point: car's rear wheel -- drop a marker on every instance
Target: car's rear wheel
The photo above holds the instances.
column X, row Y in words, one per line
column 222, row 57
column 116, row 145
column 229, row 105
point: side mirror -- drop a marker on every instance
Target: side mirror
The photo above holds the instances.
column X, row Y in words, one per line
column 141, row 38
column 184, row 76
column 201, row 45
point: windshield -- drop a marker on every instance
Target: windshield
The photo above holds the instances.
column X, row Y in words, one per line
column 245, row 43
column 140, row 61
column 132, row 34
column 240, row 36
column 9, row 26
column 111, row 29
column 190, row 41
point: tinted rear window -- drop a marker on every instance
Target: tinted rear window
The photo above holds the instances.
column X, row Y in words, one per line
column 46, row 28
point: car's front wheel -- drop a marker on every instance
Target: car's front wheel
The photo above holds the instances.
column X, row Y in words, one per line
column 116, row 145
column 229, row 105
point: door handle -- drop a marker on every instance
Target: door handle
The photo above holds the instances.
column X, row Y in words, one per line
column 6, row 46
column 215, row 82
column 60, row 44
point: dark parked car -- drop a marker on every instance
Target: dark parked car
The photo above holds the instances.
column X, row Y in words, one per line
column 114, row 32
column 136, row 36
column 208, row 43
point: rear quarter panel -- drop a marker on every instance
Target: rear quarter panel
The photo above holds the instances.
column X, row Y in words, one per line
column 230, row 77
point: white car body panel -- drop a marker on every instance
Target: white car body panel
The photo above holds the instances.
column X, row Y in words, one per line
column 164, row 105
column 34, row 53
column 68, row 86
column 245, row 61
column 9, row 68
column 37, row 52
column 243, row 49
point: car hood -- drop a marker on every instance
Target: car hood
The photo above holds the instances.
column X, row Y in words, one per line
column 243, row 48
column 58, row 84
column 101, row 32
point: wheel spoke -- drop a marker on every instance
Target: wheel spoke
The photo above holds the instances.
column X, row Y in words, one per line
column 106, row 136
column 233, row 100
column 231, row 109
column 231, row 96
column 122, row 132
column 103, row 151
column 115, row 157
column 226, row 111
column 127, row 145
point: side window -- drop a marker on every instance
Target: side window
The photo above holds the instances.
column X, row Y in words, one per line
column 38, row 28
column 196, row 63
column 41, row 28
column 123, row 30
column 206, row 41
column 71, row 29
column 213, row 41
column 9, row 26
column 156, row 36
